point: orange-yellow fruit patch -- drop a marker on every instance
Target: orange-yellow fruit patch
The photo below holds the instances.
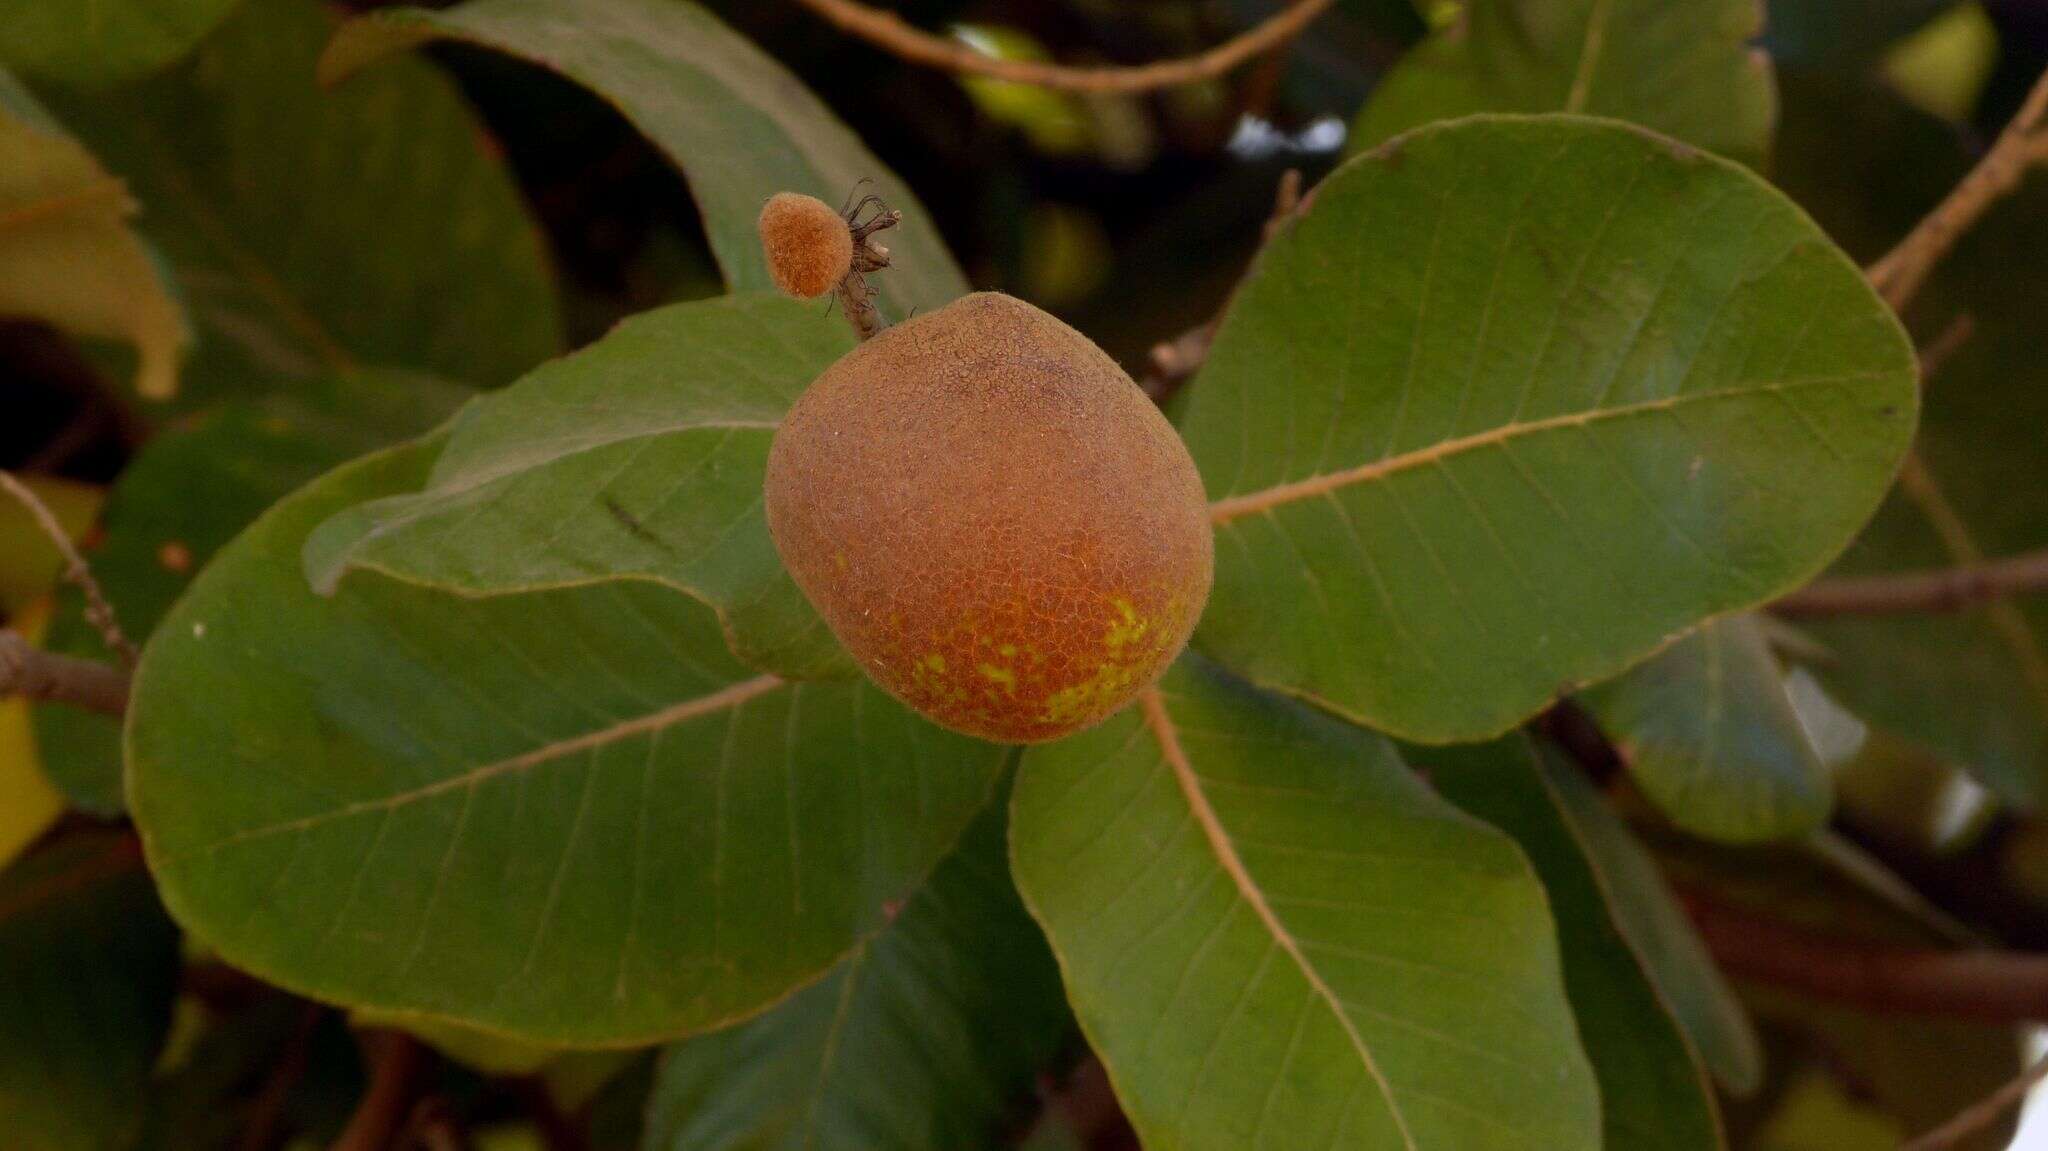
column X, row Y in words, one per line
column 994, row 519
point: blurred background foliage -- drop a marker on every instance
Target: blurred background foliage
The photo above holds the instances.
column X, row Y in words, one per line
column 1132, row 217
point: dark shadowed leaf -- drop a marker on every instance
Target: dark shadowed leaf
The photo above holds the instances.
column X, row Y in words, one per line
column 736, row 122
column 190, row 490
column 569, row 817
column 641, row 456
column 93, row 43
column 1518, row 401
column 1657, row 928
column 1653, row 1085
column 927, row 1037
column 313, row 230
column 1709, row 733
column 1276, row 936
column 88, row 963
column 1842, row 33
column 1685, row 68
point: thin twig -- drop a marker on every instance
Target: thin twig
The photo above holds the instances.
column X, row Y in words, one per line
column 1945, row 589
column 97, row 610
column 886, row 31
column 1984, row 984
column 1942, row 348
column 1981, row 1114
column 2021, row 145
column 30, row 672
column 395, row 1060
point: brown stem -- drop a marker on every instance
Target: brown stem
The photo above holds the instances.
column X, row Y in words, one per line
column 1981, row 1114
column 856, row 295
column 122, row 854
column 1945, row 589
column 395, row 1059
column 1989, row 985
column 1900, row 273
column 97, row 610
column 28, row 671
column 886, row 31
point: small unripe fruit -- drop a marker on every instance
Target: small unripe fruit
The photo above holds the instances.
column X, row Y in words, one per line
column 809, row 246
column 993, row 519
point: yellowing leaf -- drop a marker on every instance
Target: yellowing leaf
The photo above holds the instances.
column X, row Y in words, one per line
column 29, row 802
column 29, row 562
column 67, row 255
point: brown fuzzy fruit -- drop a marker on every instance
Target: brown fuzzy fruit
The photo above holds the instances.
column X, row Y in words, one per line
column 994, row 519
column 809, row 246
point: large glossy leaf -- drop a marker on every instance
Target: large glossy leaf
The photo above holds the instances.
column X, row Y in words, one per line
column 1969, row 687
column 1276, row 936
column 67, row 253
column 736, row 122
column 100, row 42
column 639, row 456
column 570, row 817
column 1653, row 1085
column 1708, row 730
column 927, row 1037
column 190, row 490
column 1519, row 400
column 88, row 964
column 313, row 230
column 1685, row 68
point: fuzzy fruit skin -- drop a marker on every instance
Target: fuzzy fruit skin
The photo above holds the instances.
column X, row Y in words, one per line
column 994, row 520
column 809, row 246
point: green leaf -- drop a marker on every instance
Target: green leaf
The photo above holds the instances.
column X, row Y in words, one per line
column 189, row 491
column 312, row 231
column 88, row 964
column 1274, row 934
column 735, row 121
column 1709, row 733
column 67, row 253
column 929, row 1036
column 1657, row 928
column 94, row 43
column 569, row 817
column 1519, row 400
column 1652, row 1082
column 1685, row 68
column 1969, row 687
column 641, row 456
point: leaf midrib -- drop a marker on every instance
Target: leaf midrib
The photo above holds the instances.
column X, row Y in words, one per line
column 1311, row 487
column 1153, row 704
column 730, row 696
